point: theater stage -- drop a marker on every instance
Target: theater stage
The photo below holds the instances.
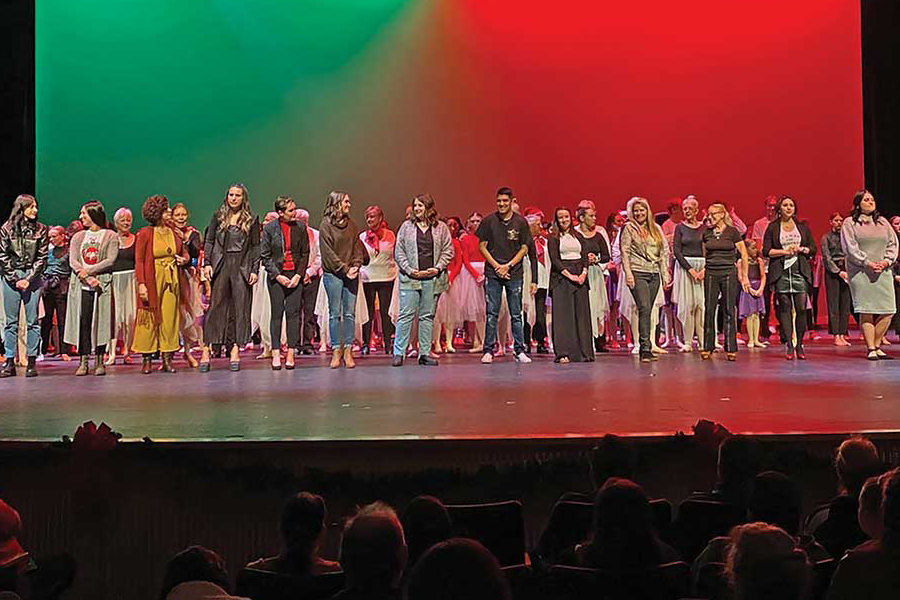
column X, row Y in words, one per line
column 834, row 391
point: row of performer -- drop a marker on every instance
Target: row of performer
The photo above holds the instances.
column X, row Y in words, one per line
column 169, row 287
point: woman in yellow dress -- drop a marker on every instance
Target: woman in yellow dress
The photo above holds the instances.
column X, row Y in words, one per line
column 159, row 252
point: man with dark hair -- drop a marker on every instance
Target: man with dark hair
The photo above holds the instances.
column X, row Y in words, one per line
column 504, row 240
column 373, row 554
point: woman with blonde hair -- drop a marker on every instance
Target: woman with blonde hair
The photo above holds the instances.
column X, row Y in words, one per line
column 645, row 258
column 123, row 288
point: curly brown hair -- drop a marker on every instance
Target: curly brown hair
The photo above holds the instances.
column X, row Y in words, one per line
column 153, row 209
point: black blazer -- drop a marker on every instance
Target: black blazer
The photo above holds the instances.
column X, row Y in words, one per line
column 556, row 263
column 214, row 248
column 271, row 248
column 772, row 240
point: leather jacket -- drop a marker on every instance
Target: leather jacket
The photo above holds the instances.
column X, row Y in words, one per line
column 23, row 247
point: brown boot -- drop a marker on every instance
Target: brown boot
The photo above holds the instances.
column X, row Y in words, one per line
column 99, row 367
column 348, row 357
column 167, row 362
column 336, row 357
column 82, row 366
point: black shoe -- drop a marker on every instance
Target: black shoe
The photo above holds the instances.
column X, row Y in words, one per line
column 397, row 362
column 306, row 352
column 427, row 361
column 647, row 357
column 364, row 350
column 9, row 368
column 30, row 370
column 543, row 350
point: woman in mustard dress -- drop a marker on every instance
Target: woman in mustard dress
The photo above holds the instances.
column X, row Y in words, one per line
column 159, row 252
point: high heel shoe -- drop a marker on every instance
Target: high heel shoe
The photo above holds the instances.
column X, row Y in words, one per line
column 788, row 352
column 801, row 355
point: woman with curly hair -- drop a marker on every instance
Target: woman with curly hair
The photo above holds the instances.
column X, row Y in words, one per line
column 158, row 253
column 342, row 256
column 231, row 264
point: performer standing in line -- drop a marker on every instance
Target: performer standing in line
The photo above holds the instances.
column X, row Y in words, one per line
column 687, row 290
column 758, row 233
column 378, row 276
column 573, row 340
column 751, row 305
column 55, row 289
column 24, row 244
column 722, row 247
column 423, row 252
column 645, row 262
column 261, row 303
column 284, row 250
column 472, row 308
column 538, row 330
column 124, row 288
column 598, row 257
column 342, row 257
column 158, row 255
column 837, row 290
column 192, row 304
column 504, row 237
column 310, row 286
column 870, row 245
column 230, row 263
column 788, row 244
column 92, row 253
column 448, row 309
column 614, row 223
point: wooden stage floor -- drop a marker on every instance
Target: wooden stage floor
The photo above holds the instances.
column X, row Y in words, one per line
column 835, row 391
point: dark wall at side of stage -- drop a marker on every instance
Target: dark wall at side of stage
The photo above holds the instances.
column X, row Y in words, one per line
column 881, row 97
column 17, row 145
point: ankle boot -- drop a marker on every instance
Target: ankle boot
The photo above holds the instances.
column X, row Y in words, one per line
column 99, row 367
column 9, row 368
column 30, row 370
column 167, row 363
column 348, row 357
column 336, row 357
column 147, row 364
column 82, row 366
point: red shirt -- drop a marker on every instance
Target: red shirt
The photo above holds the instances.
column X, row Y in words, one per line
column 288, row 256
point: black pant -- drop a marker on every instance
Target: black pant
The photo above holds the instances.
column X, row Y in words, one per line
column 796, row 301
column 285, row 303
column 837, row 295
column 767, row 299
column 645, row 290
column 719, row 292
column 384, row 290
column 539, row 331
column 308, row 308
column 54, row 302
column 88, row 297
column 229, row 304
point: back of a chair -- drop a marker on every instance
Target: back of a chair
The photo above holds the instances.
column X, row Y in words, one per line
column 662, row 515
column 569, row 524
column 520, row 580
column 711, row 581
column 499, row 526
column 699, row 521
column 665, row 582
column 258, row 584
column 823, row 570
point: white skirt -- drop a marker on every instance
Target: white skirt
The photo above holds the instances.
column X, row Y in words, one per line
column 470, row 295
column 597, row 295
column 260, row 304
column 124, row 289
column 687, row 294
column 627, row 307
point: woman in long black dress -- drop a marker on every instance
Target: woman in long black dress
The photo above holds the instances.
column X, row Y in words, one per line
column 572, row 339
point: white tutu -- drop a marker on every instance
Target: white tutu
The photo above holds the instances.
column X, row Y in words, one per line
column 260, row 304
column 687, row 294
column 627, row 307
column 124, row 289
column 599, row 301
column 361, row 316
column 470, row 295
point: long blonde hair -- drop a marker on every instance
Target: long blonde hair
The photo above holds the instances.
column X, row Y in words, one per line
column 223, row 214
column 649, row 227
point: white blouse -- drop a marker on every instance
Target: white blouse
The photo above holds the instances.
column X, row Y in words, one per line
column 569, row 247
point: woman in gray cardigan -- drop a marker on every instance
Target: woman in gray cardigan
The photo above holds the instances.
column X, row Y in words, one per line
column 423, row 250
column 92, row 253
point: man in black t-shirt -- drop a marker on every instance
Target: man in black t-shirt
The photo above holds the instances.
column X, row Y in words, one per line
column 504, row 239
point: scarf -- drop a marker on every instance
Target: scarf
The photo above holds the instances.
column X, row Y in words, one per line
column 374, row 237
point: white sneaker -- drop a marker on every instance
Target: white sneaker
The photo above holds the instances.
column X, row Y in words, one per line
column 487, row 358
column 523, row 358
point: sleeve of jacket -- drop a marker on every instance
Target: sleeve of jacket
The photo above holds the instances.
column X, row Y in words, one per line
column 209, row 240
column 827, row 260
column 253, row 252
column 555, row 258
column 265, row 252
column 768, row 238
column 810, row 241
column 40, row 257
column 302, row 261
column 140, row 256
column 446, row 247
column 400, row 255
column 9, row 274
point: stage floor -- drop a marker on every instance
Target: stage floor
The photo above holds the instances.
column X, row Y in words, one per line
column 835, row 391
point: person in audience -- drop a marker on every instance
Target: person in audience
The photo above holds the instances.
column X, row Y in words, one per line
column 764, row 563
column 55, row 290
column 622, row 532
column 872, row 569
column 837, row 527
column 124, row 288
column 310, row 286
column 837, row 289
column 457, row 569
column 373, row 554
column 196, row 573
column 378, row 276
column 425, row 522
column 870, row 517
column 738, row 464
column 303, row 520
column 573, row 339
column 870, row 245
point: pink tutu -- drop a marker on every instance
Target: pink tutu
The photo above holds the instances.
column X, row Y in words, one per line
column 469, row 295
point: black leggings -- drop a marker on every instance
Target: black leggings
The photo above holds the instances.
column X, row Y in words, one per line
column 86, row 325
column 54, row 302
column 285, row 303
column 384, row 290
column 719, row 291
column 796, row 301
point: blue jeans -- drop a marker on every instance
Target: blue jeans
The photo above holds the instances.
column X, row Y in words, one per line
column 493, row 294
column 12, row 298
column 341, row 293
column 410, row 302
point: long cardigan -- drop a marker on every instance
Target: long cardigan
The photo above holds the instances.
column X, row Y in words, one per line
column 406, row 253
column 101, row 327
column 145, row 270
column 772, row 240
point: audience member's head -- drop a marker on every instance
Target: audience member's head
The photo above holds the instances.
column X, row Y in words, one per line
column 425, row 523
column 10, row 525
column 457, row 569
column 303, row 524
column 738, row 461
column 855, row 461
column 611, row 457
column 194, row 564
column 776, row 500
column 623, row 535
column 373, row 551
column 890, row 505
column 871, row 519
column 764, row 563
